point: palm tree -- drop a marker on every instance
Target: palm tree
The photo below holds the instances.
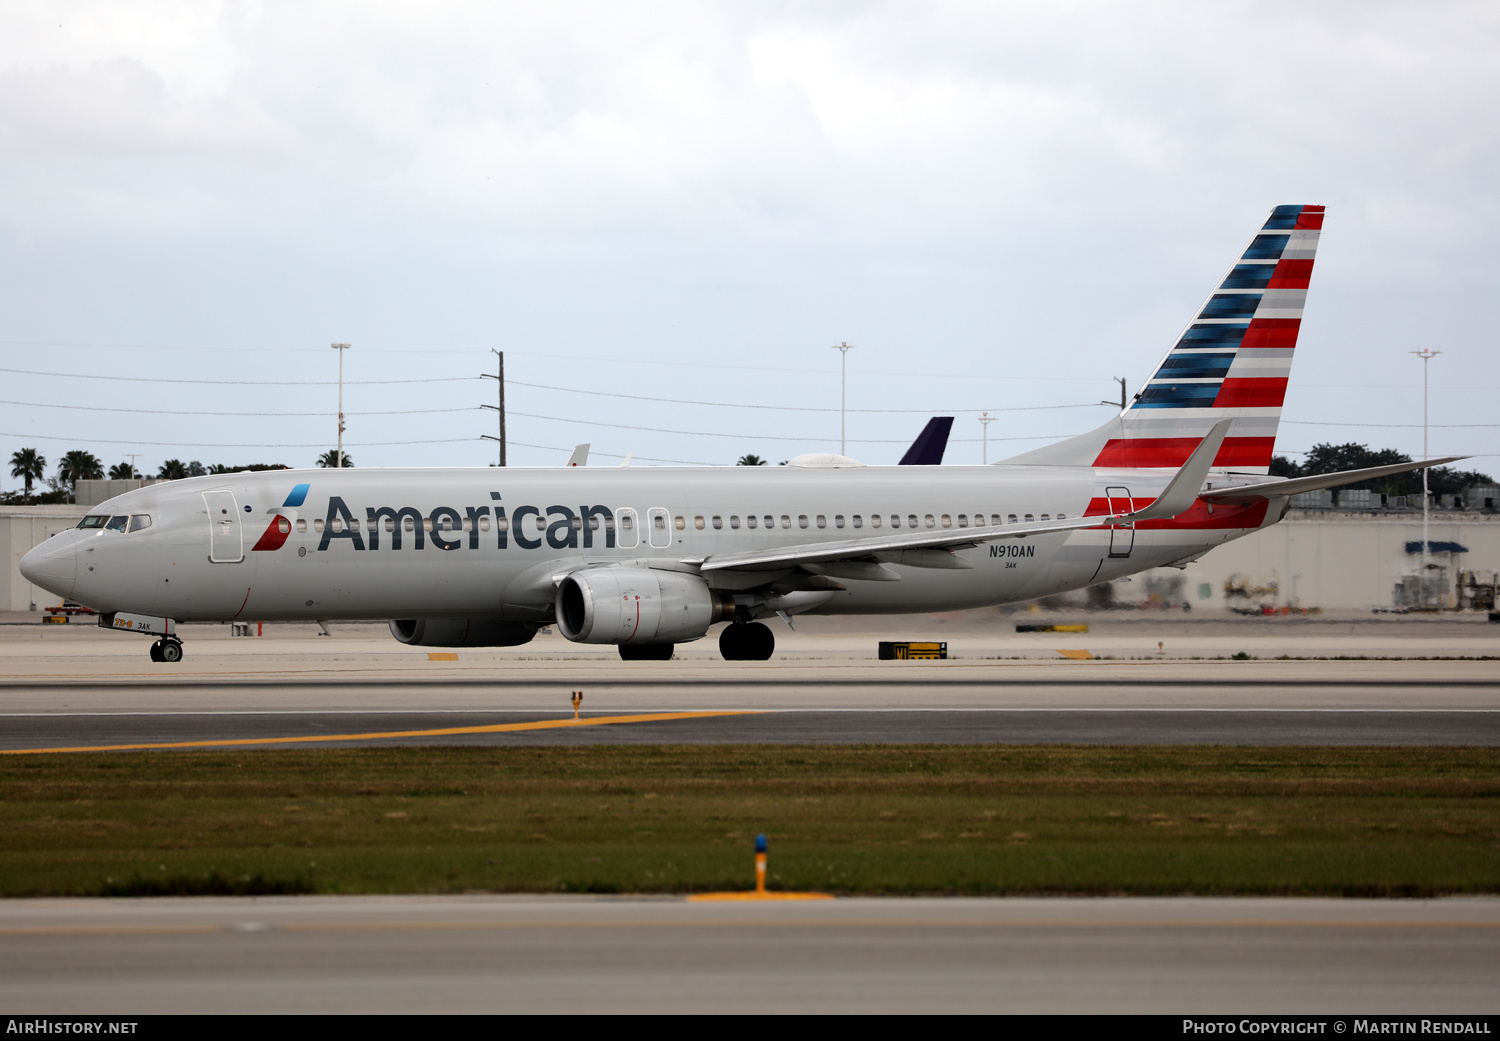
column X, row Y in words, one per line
column 122, row 472
column 172, row 470
column 330, row 459
column 29, row 466
column 750, row 460
column 79, row 465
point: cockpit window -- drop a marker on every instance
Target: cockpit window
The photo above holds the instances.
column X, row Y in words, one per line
column 141, row 520
column 93, row 521
column 119, row 523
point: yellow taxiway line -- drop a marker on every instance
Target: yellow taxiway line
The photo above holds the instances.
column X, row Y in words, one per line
column 498, row 728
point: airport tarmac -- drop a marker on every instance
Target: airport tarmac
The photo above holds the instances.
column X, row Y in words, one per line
column 1361, row 680
column 556, row 954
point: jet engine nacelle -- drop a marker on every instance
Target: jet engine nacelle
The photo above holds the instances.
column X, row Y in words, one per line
column 637, row 605
column 462, row 632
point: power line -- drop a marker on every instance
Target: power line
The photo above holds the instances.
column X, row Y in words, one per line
column 788, row 408
column 235, row 383
column 199, row 412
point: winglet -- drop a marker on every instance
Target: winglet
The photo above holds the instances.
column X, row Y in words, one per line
column 1183, row 489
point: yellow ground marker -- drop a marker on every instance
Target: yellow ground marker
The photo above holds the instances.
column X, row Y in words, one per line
column 497, row 728
column 1069, row 628
column 441, row 656
column 1075, row 655
column 760, row 892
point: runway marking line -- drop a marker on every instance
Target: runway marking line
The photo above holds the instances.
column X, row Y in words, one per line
column 496, row 728
column 721, row 923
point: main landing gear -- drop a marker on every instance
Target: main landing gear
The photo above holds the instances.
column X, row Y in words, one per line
column 747, row 641
column 167, row 649
column 647, row 651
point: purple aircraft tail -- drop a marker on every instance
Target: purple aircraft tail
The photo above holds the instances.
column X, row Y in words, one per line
column 928, row 448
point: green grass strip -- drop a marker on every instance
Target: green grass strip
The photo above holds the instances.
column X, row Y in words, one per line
column 970, row 819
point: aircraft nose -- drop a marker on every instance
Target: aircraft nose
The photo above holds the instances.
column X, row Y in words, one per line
column 53, row 565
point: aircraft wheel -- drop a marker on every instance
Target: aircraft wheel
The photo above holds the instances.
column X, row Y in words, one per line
column 156, row 651
column 171, row 651
column 647, row 651
column 747, row 641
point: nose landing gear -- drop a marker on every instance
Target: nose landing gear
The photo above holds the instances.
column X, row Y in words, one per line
column 167, row 649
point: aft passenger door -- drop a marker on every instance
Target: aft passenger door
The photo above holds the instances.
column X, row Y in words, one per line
column 226, row 539
column 1121, row 536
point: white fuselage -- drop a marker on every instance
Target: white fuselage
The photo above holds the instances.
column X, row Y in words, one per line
column 495, row 542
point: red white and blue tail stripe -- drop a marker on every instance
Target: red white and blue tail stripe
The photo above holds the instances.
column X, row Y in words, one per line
column 1231, row 362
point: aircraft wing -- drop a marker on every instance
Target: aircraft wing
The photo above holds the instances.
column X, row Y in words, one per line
column 1294, row 485
column 1178, row 496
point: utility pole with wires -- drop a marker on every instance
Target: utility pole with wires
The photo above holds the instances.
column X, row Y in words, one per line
column 986, row 419
column 341, row 348
column 1123, row 402
column 500, row 406
column 843, row 349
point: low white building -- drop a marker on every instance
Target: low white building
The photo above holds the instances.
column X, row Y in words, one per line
column 1335, row 560
column 22, row 527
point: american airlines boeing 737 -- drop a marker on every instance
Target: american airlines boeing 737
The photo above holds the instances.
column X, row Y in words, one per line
column 648, row 558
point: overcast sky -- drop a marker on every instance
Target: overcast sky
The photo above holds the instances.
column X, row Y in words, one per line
column 1002, row 206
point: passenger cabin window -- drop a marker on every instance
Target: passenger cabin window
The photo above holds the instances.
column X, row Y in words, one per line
column 680, row 523
column 978, row 520
column 874, row 520
column 484, row 522
column 718, row 522
column 802, row 520
column 302, row 524
column 963, row 520
column 734, row 521
column 947, row 521
column 698, row 523
column 318, row 525
column 282, row 525
column 823, row 521
column 786, row 521
column 117, row 523
column 911, row 520
column 1009, row 520
column 93, row 521
column 627, row 523
column 1046, row 516
column 1028, row 518
column 928, row 521
column 858, row 521
column 838, row 520
column 750, row 521
column 771, row 521
column 660, row 521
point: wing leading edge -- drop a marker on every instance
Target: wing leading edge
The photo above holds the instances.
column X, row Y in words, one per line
column 1176, row 498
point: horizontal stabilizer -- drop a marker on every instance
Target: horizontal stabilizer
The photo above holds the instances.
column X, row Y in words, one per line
column 1297, row 485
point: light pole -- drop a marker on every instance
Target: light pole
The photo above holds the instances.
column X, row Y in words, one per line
column 843, row 349
column 1426, row 354
column 986, row 419
column 341, row 348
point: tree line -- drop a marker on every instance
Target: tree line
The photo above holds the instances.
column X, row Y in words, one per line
column 30, row 466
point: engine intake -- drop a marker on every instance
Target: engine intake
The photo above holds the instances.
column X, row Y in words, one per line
column 636, row 606
column 462, row 632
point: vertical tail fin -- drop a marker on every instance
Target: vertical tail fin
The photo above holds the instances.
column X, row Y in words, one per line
column 1232, row 362
column 928, row 448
